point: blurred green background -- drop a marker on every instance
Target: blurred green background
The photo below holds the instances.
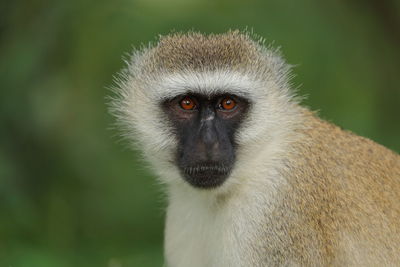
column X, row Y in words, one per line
column 71, row 194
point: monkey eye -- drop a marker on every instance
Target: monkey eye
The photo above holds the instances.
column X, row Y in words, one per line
column 187, row 103
column 227, row 104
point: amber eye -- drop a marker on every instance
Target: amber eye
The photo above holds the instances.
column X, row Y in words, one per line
column 228, row 103
column 187, row 103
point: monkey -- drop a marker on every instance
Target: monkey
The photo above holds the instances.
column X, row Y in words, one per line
column 252, row 177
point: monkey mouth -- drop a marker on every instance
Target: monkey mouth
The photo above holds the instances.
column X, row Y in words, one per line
column 207, row 175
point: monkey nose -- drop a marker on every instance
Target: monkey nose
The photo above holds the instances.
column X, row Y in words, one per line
column 209, row 138
column 209, row 152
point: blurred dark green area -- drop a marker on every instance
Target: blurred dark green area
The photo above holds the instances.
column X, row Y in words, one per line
column 70, row 193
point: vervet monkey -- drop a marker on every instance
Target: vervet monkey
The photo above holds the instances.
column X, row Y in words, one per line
column 252, row 177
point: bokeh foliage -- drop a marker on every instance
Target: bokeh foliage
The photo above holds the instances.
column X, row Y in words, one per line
column 70, row 193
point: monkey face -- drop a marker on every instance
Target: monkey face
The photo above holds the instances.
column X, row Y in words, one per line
column 197, row 106
column 205, row 127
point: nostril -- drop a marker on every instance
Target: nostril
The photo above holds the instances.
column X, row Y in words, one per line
column 208, row 152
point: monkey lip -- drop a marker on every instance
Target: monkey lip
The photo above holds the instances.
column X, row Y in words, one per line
column 206, row 176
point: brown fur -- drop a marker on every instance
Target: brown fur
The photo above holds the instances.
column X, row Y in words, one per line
column 193, row 51
column 340, row 184
column 196, row 51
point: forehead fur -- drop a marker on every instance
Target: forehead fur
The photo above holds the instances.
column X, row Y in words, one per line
column 196, row 51
column 182, row 62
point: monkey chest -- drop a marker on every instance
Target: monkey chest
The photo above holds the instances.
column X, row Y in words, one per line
column 202, row 238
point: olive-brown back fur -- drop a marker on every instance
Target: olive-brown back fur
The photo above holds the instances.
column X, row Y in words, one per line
column 342, row 188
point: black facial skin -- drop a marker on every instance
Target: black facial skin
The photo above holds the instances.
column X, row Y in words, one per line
column 205, row 129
